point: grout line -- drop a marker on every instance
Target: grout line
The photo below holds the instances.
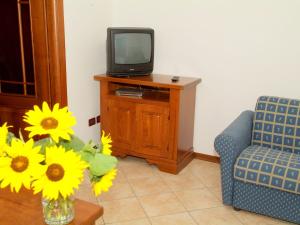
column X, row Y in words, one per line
column 164, row 181
column 136, row 197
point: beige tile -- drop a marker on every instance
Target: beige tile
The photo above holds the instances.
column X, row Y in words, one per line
column 119, row 190
column 209, row 173
column 122, row 210
column 130, row 160
column 120, row 176
column 198, row 199
column 215, row 216
column 99, row 221
column 173, row 219
column 139, row 170
column 216, row 191
column 197, row 163
column 210, row 178
column 85, row 193
column 184, row 181
column 198, row 166
column 133, row 222
column 161, row 204
column 148, row 185
column 248, row 218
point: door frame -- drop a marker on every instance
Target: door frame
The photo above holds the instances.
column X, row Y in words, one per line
column 54, row 13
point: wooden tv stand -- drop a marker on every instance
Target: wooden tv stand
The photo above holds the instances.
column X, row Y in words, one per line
column 159, row 126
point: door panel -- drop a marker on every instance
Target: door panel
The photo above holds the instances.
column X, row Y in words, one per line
column 152, row 130
column 121, row 117
column 26, row 44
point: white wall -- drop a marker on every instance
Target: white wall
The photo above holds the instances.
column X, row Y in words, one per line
column 241, row 49
column 85, row 34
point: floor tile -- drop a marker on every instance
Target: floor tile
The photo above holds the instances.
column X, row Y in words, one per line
column 119, row 190
column 122, row 210
column 133, row 222
column 161, row 204
column 99, row 221
column 137, row 170
column 85, row 193
column 148, row 185
column 166, row 197
column 249, row 218
column 215, row 216
column 120, row 176
column 130, row 160
column 182, row 182
column 198, row 199
column 216, row 191
column 207, row 172
column 173, row 219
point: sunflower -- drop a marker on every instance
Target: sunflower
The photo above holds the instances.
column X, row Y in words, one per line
column 57, row 123
column 3, row 137
column 106, row 144
column 105, row 182
column 64, row 173
column 21, row 165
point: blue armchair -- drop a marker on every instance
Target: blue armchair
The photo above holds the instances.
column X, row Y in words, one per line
column 260, row 159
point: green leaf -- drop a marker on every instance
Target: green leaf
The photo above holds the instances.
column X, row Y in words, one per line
column 87, row 156
column 9, row 137
column 101, row 164
column 75, row 143
column 89, row 147
column 44, row 143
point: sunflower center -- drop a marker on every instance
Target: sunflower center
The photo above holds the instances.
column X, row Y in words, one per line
column 19, row 164
column 55, row 172
column 49, row 123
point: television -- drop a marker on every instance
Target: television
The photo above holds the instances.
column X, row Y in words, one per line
column 130, row 51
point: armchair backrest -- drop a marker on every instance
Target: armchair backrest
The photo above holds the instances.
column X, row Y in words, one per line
column 276, row 124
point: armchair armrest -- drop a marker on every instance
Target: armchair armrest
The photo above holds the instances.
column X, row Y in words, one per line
column 229, row 144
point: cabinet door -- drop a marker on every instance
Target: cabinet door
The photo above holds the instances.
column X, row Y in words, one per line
column 152, row 130
column 121, row 118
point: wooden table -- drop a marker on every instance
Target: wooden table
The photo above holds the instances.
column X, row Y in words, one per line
column 26, row 209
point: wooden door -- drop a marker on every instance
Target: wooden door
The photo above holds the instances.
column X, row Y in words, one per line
column 32, row 58
column 121, row 123
column 152, row 130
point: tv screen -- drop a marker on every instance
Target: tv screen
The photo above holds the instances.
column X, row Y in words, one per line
column 132, row 48
column 130, row 51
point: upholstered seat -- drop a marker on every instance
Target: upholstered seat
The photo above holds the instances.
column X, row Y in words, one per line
column 269, row 167
column 260, row 159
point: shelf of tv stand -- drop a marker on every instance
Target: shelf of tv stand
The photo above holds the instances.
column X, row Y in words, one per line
column 158, row 126
column 144, row 99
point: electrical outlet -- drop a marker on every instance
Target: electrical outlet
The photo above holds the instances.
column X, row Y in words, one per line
column 98, row 118
column 92, row 121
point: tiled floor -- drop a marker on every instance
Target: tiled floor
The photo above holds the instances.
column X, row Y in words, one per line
column 143, row 195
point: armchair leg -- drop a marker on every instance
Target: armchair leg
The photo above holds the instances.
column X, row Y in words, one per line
column 236, row 209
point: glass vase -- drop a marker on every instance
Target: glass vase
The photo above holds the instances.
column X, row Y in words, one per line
column 58, row 212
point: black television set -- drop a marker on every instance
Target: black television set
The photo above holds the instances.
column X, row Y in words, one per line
column 130, row 51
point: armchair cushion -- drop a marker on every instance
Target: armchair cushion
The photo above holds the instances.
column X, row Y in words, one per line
column 277, row 124
column 269, row 167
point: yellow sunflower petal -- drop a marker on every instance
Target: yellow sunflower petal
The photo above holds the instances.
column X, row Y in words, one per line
column 56, row 123
column 64, row 173
column 106, row 144
column 21, row 165
column 105, row 183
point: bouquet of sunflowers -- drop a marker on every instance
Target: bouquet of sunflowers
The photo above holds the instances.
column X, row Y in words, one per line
column 55, row 164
